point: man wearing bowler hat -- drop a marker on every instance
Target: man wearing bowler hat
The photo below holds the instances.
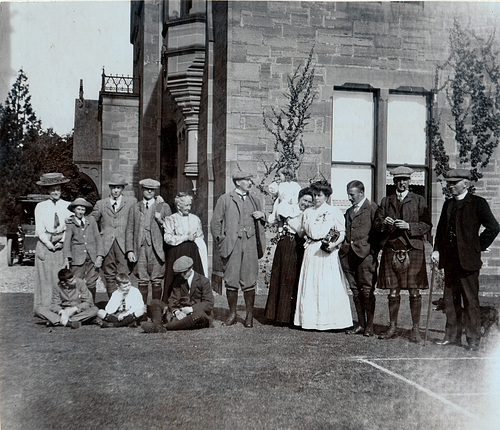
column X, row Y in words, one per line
column 189, row 305
column 238, row 230
column 403, row 220
column 111, row 215
column 457, row 250
column 144, row 239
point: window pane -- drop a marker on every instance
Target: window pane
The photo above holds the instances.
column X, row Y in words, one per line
column 406, row 140
column 341, row 176
column 352, row 127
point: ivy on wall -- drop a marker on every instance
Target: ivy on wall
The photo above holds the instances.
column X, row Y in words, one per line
column 471, row 85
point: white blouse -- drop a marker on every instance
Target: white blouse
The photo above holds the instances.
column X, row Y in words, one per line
column 44, row 218
column 177, row 228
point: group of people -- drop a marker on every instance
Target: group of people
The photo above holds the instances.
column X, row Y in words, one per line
column 320, row 254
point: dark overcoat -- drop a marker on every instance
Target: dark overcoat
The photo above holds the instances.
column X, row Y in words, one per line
column 199, row 296
column 470, row 216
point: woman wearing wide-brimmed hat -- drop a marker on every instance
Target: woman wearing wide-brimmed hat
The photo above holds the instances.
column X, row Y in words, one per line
column 50, row 225
column 83, row 248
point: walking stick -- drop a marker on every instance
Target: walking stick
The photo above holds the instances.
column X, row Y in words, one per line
column 433, row 271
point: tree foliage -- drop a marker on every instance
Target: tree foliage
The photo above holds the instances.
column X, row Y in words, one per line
column 287, row 125
column 27, row 151
column 472, row 90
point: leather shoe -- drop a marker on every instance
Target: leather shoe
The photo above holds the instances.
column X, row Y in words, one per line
column 471, row 347
column 368, row 332
column 357, row 330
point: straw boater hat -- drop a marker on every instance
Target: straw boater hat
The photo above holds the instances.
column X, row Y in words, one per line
column 49, row 179
column 401, row 172
column 149, row 183
column 455, row 175
column 182, row 264
column 80, row 201
column 117, row 180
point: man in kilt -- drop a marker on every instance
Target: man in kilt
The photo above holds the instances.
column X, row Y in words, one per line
column 403, row 219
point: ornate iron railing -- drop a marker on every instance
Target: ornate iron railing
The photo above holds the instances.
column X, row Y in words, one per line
column 119, row 84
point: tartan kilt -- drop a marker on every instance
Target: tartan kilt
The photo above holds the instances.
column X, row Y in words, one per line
column 414, row 277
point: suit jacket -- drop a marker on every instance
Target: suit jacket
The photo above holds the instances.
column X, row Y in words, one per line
column 470, row 216
column 225, row 223
column 199, row 296
column 79, row 296
column 113, row 224
column 134, row 234
column 359, row 235
column 80, row 242
column 415, row 212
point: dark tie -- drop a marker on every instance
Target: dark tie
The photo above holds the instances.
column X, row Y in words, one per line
column 243, row 196
column 56, row 218
column 114, row 207
column 147, row 205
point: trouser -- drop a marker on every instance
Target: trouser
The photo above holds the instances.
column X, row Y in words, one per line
column 197, row 319
column 114, row 262
column 149, row 267
column 462, row 287
column 88, row 272
column 241, row 268
column 53, row 317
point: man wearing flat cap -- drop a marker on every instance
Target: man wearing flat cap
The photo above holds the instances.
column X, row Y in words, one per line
column 144, row 239
column 189, row 305
column 403, row 220
column 111, row 215
column 457, row 250
column 238, row 230
column 83, row 249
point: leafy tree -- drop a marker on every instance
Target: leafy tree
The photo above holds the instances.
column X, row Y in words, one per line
column 27, row 151
column 472, row 90
column 19, row 130
column 287, row 125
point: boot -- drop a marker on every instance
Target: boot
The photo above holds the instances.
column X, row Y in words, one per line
column 153, row 327
column 157, row 290
column 195, row 320
column 143, row 288
column 360, row 310
column 249, row 302
column 232, row 301
column 394, row 303
column 370, row 313
column 415, row 308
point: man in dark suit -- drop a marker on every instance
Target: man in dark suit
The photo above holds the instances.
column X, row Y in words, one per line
column 358, row 255
column 189, row 305
column 403, row 220
column 238, row 230
column 111, row 215
column 144, row 239
column 457, row 249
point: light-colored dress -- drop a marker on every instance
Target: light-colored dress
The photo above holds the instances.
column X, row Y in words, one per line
column 322, row 300
column 47, row 262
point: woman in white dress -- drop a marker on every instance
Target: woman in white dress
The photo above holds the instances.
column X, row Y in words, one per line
column 322, row 300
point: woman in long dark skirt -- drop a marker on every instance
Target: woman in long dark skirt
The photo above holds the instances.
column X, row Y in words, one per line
column 287, row 260
column 184, row 236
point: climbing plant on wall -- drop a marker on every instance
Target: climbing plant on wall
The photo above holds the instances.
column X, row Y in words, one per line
column 470, row 79
column 287, row 124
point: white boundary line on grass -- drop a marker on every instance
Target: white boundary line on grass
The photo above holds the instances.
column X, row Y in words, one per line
column 421, row 388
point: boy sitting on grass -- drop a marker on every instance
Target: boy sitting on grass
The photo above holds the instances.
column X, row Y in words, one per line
column 72, row 302
column 125, row 307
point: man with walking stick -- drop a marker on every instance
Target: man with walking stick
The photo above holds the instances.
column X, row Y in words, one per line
column 457, row 249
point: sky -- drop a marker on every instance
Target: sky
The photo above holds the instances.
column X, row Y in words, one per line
column 58, row 43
